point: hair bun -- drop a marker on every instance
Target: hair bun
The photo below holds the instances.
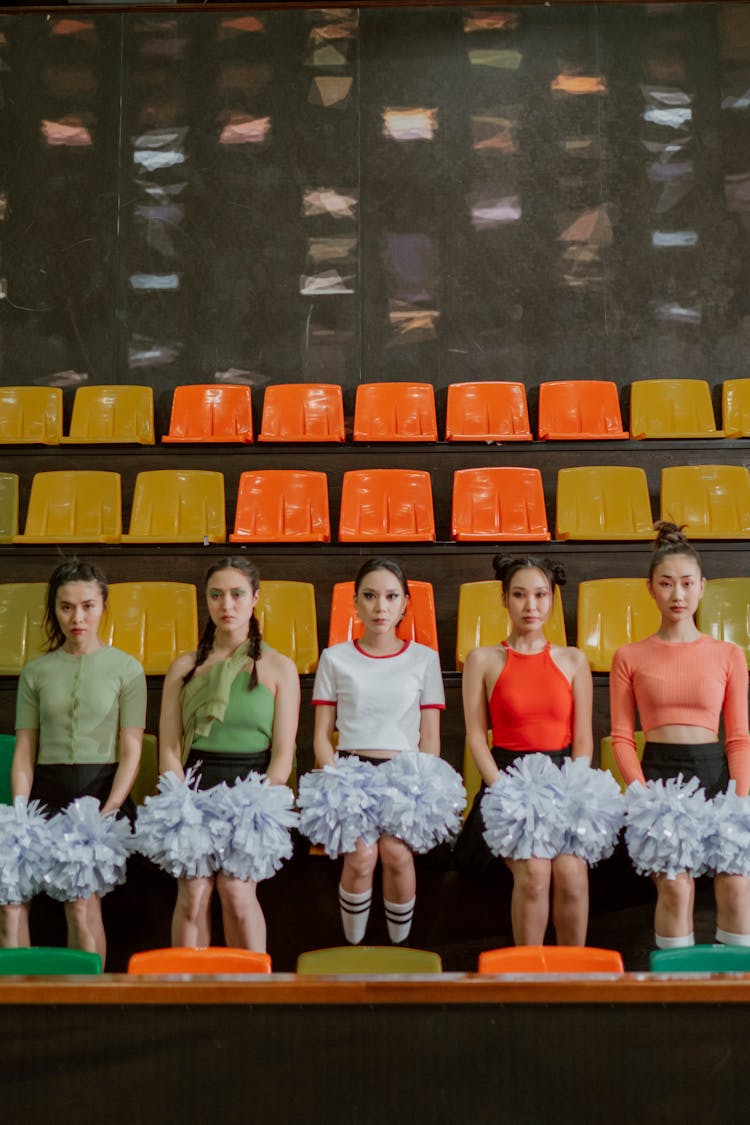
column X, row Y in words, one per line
column 669, row 534
column 500, row 564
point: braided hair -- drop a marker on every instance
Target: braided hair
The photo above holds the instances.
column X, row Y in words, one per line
column 205, row 644
column 505, row 566
column 69, row 571
column 669, row 542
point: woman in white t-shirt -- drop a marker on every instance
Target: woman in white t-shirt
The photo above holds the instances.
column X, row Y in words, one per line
column 384, row 697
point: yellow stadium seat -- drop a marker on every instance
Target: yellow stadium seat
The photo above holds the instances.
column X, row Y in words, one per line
column 483, row 619
column 603, row 502
column 145, row 784
column 74, row 507
column 607, row 756
column 471, row 776
column 735, row 407
column 712, row 501
column 672, row 408
column 112, row 414
column 21, row 616
column 355, row 960
column 288, row 621
column 154, row 621
column 178, row 506
column 724, row 611
column 30, row 414
column 8, row 507
column 613, row 612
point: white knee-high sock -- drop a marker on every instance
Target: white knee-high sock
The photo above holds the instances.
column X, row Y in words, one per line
column 398, row 916
column 727, row 938
column 674, row 942
column 355, row 910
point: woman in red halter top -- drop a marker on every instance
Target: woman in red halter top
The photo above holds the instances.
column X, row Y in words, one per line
column 538, row 698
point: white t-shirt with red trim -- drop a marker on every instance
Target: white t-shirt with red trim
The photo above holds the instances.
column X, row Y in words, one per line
column 379, row 699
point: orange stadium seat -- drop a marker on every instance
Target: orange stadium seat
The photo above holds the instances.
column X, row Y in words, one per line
column 579, row 410
column 418, row 623
column 212, row 412
column 487, row 412
column 550, row 959
column 386, row 505
column 395, row 412
column 282, row 505
column 498, row 505
column 209, row 960
column 303, row 412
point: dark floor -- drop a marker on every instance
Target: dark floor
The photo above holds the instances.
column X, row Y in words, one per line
column 459, row 912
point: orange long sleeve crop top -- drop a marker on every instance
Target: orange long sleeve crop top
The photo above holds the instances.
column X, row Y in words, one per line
column 690, row 684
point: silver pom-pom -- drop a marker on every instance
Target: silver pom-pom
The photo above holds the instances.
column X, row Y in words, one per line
column 728, row 851
column 594, row 810
column 423, row 800
column 668, row 826
column 179, row 830
column 24, row 850
column 88, row 852
column 523, row 810
column 260, row 817
column 340, row 804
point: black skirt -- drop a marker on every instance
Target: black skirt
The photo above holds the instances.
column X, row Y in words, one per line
column 706, row 761
column 213, row 767
column 57, row 785
column 363, row 757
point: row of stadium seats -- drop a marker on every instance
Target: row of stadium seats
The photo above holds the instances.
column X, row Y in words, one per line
column 569, row 410
column 156, row 621
column 492, row 504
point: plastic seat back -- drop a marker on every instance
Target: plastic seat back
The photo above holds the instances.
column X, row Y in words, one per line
column 419, row 623
column 211, row 412
column 499, row 505
column 112, row 414
column 472, row 778
column 40, row 960
column 735, row 407
column 550, row 959
column 30, row 415
column 613, row 612
column 386, row 505
column 211, row 960
column 147, row 778
column 303, row 412
column 607, row 756
column 724, row 611
column 74, row 507
column 178, row 506
column 288, row 621
column 701, row 959
column 713, row 501
column 366, row 959
column 603, row 502
column 579, row 410
column 672, row 408
column 8, row 507
column 7, row 748
column 154, row 621
column 395, row 412
column 21, row 624
column 279, row 505
column 483, row 619
column 487, row 412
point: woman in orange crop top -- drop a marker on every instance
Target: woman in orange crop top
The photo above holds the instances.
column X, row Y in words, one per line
column 539, row 698
column 682, row 683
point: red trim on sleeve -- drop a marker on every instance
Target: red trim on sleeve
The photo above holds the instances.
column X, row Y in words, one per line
column 432, row 707
column 324, row 702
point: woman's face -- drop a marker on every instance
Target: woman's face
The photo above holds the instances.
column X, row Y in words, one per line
column 380, row 601
column 79, row 607
column 231, row 600
column 528, row 600
column 677, row 587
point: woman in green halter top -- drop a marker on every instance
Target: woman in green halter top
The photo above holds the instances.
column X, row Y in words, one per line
column 233, row 707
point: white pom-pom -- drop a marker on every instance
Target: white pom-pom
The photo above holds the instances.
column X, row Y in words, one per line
column 88, row 852
column 423, row 800
column 669, row 825
column 179, row 830
column 594, row 810
column 260, row 818
column 728, row 851
column 24, row 850
column 340, row 804
column 523, row 810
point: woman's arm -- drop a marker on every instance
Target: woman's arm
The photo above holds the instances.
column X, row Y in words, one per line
column 622, row 712
column 583, row 702
column 131, row 740
column 325, row 725
column 429, row 731
column 475, row 714
column 24, row 761
column 736, row 737
column 170, row 718
column 285, row 722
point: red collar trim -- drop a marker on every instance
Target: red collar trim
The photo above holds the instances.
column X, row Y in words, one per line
column 387, row 656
